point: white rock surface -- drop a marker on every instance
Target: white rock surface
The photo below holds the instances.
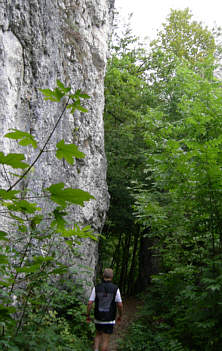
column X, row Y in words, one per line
column 45, row 40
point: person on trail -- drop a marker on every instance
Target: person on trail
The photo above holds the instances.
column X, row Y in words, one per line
column 107, row 298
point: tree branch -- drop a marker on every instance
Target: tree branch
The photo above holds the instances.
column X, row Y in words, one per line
column 42, row 150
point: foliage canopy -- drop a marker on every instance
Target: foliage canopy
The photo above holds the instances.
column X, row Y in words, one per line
column 175, row 185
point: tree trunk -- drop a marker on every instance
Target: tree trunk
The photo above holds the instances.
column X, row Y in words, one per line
column 132, row 272
column 147, row 263
column 124, row 268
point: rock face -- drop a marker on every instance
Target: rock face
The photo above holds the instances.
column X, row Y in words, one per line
column 42, row 41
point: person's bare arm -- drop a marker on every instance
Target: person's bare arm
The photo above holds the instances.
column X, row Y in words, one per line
column 89, row 307
column 120, row 311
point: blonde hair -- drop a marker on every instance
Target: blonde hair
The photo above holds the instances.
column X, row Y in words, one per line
column 108, row 273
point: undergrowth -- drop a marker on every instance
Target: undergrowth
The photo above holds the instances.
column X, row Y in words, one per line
column 179, row 314
column 59, row 325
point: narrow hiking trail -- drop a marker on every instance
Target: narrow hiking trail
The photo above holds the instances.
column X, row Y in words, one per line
column 130, row 306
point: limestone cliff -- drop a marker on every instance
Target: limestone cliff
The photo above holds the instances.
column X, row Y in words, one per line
column 45, row 40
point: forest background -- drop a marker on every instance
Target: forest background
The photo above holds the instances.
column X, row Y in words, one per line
column 163, row 144
column 163, row 124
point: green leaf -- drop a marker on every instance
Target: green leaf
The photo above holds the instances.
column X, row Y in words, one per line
column 77, row 106
column 81, row 108
column 3, row 235
column 53, row 95
column 214, row 287
column 29, row 269
column 41, row 259
column 8, row 195
column 23, row 206
column 5, row 283
column 22, row 228
column 3, row 259
column 26, row 138
column 59, row 220
column 14, row 160
column 60, row 270
column 79, row 94
column 84, row 96
column 62, row 87
column 68, row 152
column 62, row 196
column 36, row 220
column 85, row 232
column 7, row 310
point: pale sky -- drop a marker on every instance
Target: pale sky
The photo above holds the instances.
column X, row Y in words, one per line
column 149, row 14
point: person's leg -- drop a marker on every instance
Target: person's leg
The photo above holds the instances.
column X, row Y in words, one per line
column 97, row 340
column 105, row 341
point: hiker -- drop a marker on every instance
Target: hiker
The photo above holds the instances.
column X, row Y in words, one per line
column 107, row 300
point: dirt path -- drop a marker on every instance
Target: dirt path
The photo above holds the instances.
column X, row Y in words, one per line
column 130, row 306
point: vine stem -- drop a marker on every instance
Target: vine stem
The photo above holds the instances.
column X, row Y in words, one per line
column 23, row 312
column 42, row 150
column 6, row 175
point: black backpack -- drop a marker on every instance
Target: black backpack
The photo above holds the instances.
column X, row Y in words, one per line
column 105, row 305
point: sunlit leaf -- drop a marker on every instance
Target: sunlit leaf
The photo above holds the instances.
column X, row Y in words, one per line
column 62, row 87
column 63, row 196
column 81, row 108
column 14, row 160
column 26, row 138
column 53, row 95
column 84, row 96
column 23, row 206
column 8, row 195
column 68, row 152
